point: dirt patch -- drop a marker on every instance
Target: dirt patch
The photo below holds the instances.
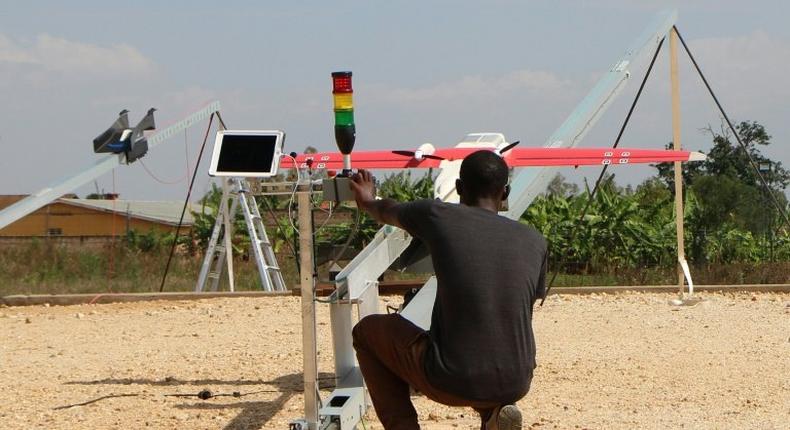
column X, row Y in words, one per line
column 605, row 361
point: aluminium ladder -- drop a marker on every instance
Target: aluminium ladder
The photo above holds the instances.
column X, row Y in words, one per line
column 235, row 192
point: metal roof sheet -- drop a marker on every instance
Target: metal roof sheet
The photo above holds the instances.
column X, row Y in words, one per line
column 161, row 211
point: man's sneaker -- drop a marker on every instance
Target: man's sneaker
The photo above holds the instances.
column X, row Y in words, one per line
column 507, row 417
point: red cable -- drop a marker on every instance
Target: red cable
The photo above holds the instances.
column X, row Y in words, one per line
column 161, row 181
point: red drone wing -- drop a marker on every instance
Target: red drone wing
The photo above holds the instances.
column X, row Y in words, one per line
column 360, row 160
column 517, row 157
column 590, row 156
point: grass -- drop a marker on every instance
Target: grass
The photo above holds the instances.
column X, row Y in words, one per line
column 44, row 268
column 706, row 274
column 41, row 267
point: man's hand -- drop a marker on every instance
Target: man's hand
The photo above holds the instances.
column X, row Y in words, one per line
column 384, row 211
column 364, row 188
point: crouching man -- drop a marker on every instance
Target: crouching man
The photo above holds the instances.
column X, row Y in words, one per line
column 480, row 349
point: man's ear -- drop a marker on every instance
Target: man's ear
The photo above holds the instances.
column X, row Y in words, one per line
column 506, row 193
column 459, row 187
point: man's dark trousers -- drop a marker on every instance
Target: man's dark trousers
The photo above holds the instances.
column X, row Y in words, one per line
column 390, row 351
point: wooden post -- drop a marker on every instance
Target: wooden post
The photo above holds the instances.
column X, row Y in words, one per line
column 46, row 224
column 675, row 86
column 309, row 347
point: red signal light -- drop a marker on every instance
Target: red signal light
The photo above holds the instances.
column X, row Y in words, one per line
column 345, row 131
column 341, row 82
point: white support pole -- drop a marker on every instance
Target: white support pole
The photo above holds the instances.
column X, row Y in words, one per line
column 309, row 347
column 675, row 88
column 346, row 161
column 103, row 165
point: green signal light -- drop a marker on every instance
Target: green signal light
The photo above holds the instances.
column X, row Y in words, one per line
column 344, row 117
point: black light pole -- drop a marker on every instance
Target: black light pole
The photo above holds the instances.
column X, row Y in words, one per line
column 765, row 167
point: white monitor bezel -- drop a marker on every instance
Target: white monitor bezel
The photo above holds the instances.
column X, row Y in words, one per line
column 278, row 152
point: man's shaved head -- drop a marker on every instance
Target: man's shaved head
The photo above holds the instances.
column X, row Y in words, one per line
column 483, row 174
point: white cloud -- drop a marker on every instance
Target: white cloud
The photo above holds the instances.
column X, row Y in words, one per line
column 474, row 87
column 51, row 54
column 752, row 69
column 684, row 6
column 746, row 53
column 11, row 53
column 189, row 97
column 746, row 72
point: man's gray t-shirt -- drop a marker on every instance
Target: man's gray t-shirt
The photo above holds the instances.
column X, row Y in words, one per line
column 490, row 270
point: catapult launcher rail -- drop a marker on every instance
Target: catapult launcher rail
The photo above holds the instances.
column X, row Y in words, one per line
column 357, row 282
column 101, row 166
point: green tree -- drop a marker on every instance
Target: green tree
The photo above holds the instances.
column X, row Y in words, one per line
column 728, row 158
column 727, row 186
column 616, row 231
column 560, row 187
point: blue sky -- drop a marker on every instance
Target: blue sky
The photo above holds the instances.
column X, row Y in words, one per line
column 424, row 72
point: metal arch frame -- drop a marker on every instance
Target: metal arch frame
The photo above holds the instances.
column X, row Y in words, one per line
column 357, row 282
column 101, row 166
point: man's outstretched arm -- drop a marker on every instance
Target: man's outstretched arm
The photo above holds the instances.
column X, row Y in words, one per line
column 384, row 211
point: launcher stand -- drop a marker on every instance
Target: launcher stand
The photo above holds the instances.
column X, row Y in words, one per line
column 356, row 283
column 344, row 409
column 307, row 280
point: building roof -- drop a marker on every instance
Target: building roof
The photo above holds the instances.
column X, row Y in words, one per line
column 163, row 212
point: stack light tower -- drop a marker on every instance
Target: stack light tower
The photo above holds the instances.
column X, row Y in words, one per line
column 338, row 188
column 345, row 130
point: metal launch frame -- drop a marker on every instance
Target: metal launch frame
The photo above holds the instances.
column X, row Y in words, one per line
column 357, row 283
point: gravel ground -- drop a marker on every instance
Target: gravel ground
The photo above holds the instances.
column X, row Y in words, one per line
column 621, row 361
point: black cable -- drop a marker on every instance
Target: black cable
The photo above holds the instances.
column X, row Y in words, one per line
column 351, row 236
column 186, row 200
column 109, row 396
column 295, row 245
column 312, row 239
column 207, row 394
column 282, row 231
column 605, row 167
column 734, row 132
column 221, row 122
column 202, row 395
column 338, row 255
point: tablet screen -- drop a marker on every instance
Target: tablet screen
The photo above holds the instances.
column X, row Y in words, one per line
column 247, row 153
